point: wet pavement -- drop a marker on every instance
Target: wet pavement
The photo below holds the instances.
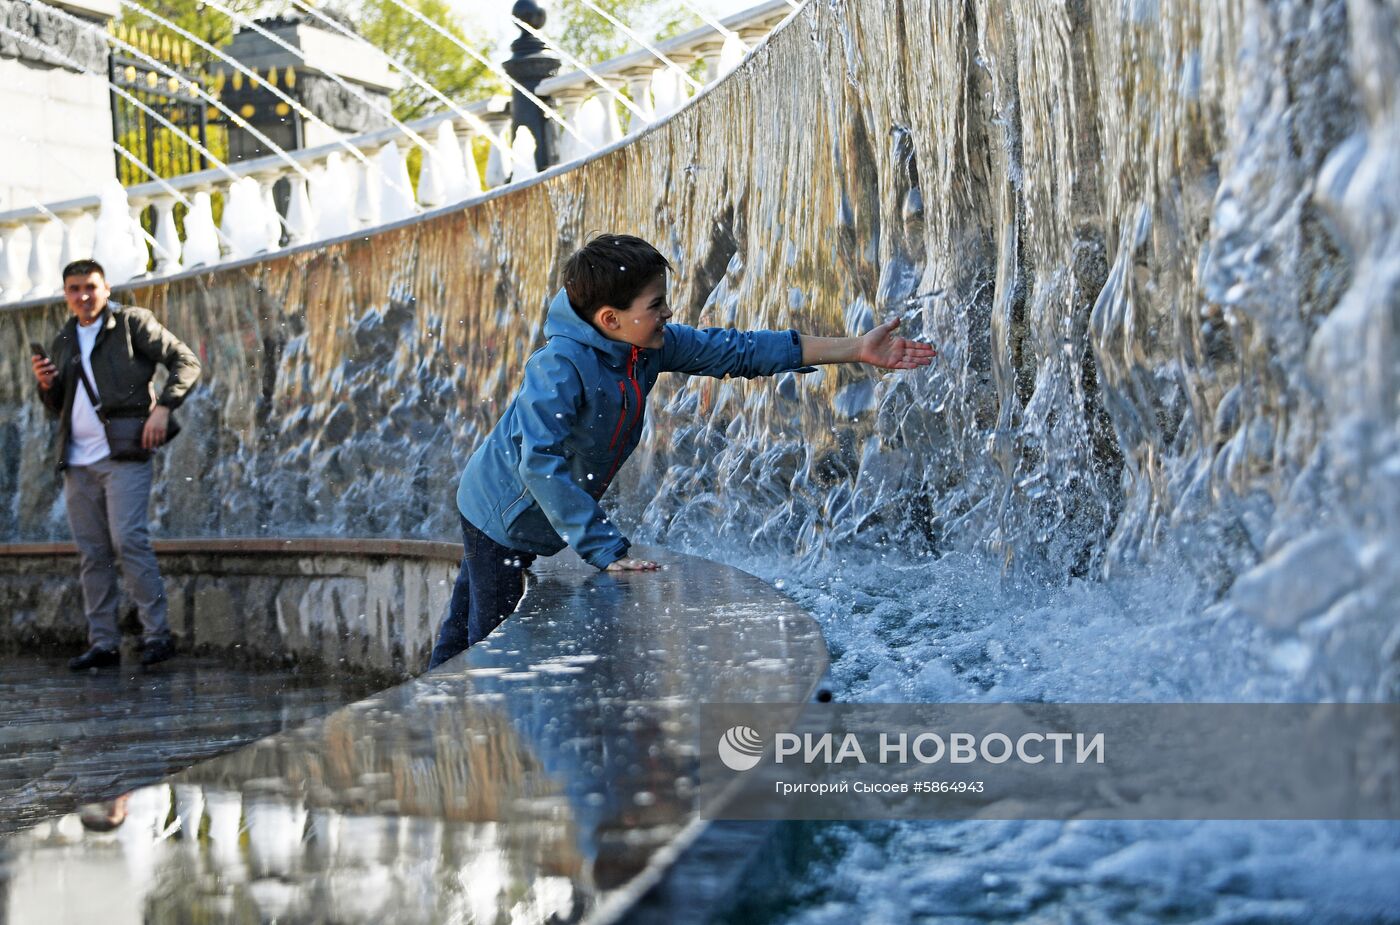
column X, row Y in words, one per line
column 549, row 774
column 68, row 738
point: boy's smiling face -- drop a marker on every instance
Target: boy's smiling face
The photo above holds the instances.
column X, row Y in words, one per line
column 643, row 323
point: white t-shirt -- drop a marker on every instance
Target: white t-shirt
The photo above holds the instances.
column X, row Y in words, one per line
column 87, row 440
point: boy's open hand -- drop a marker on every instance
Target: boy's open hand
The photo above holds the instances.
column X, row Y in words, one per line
column 632, row 565
column 883, row 348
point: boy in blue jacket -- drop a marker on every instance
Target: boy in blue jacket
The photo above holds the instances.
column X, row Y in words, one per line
column 533, row 486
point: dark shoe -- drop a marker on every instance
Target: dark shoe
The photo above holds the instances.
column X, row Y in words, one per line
column 96, row 657
column 157, row 650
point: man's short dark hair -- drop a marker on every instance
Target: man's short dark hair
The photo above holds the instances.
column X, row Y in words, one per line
column 83, row 268
column 611, row 269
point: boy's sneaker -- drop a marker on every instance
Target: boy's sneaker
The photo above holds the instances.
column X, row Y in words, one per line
column 157, row 650
column 96, row 657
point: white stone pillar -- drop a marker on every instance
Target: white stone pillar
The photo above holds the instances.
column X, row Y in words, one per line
column 266, row 182
column 140, row 247
column 167, row 237
column 470, row 172
column 201, row 236
column 43, row 275
column 300, row 222
column 639, row 88
column 708, row 51
column 498, row 165
column 568, row 101
column 367, row 191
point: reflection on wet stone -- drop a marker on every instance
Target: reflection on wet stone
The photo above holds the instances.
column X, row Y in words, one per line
column 67, row 739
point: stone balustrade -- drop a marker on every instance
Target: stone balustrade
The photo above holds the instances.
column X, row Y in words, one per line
column 344, row 187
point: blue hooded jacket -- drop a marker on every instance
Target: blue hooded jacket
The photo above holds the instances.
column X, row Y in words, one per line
column 534, row 483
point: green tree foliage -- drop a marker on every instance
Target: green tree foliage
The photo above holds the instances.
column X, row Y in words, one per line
column 437, row 59
column 589, row 37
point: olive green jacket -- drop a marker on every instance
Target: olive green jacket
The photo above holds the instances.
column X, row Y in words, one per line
column 124, row 357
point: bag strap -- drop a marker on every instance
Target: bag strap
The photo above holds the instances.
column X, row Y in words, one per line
column 91, row 392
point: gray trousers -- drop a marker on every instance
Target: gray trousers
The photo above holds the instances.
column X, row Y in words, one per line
column 108, row 506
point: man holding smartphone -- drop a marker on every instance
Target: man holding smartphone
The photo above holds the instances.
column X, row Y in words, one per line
column 100, row 370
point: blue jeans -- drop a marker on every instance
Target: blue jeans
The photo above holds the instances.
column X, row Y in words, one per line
column 489, row 584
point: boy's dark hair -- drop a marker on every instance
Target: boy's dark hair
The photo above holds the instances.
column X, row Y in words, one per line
column 83, row 268
column 611, row 269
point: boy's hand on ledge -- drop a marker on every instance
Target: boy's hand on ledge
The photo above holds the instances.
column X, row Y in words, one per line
column 883, row 348
column 632, row 565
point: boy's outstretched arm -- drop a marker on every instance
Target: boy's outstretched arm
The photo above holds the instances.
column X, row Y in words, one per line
column 729, row 352
column 878, row 347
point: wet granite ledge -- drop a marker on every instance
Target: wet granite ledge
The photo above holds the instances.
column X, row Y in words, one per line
column 362, row 605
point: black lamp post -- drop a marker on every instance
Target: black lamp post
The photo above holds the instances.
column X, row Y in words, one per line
column 530, row 63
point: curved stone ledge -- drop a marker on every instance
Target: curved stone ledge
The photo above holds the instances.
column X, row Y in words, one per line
column 354, row 604
column 549, row 771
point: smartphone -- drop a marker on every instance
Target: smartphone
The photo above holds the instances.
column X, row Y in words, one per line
column 37, row 349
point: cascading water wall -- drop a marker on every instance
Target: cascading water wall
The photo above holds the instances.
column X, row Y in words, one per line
column 1156, row 245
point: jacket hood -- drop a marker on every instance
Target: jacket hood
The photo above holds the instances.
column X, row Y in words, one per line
column 563, row 321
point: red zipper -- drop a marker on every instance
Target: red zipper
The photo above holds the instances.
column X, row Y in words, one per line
column 632, row 378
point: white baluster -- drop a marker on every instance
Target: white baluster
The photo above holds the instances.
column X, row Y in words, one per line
column 498, row 165
column 568, row 102
column 274, row 826
column 245, row 219
column 112, row 245
column 471, row 175
column 683, row 87
column 731, row 54
column 709, row 52
column 67, row 251
column 666, row 92
column 522, row 155
column 639, row 88
column 396, row 190
column 300, row 222
column 189, row 808
column 201, row 237
column 334, row 194
column 11, row 279
column 612, row 124
column 225, row 811
column 42, row 273
column 448, row 165
column 167, row 237
column 367, row 195
column 136, row 236
column 432, row 179
column 592, row 121
column 266, row 182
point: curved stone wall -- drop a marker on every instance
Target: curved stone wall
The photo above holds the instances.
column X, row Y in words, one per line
column 1154, row 243
column 360, row 606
